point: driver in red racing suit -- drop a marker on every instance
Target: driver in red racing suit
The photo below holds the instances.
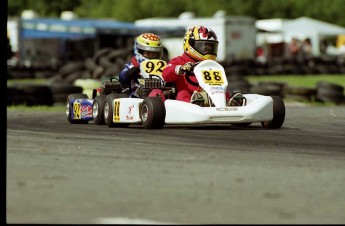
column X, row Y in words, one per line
column 200, row 43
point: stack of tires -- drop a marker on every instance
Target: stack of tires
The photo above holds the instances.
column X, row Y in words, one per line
column 106, row 62
column 303, row 94
column 29, row 95
column 329, row 92
column 269, row 89
column 237, row 83
column 46, row 95
column 60, row 92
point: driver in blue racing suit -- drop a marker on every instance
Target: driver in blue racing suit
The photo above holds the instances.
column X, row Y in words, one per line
column 146, row 46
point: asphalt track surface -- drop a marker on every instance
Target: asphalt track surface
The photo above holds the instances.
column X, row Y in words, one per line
column 58, row 173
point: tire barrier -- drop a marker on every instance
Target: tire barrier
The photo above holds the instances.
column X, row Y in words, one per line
column 110, row 57
column 269, row 89
column 60, row 92
column 300, row 93
column 29, row 95
column 33, row 95
column 106, row 62
column 237, row 83
column 329, row 92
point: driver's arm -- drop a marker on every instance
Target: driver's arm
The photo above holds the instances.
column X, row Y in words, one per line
column 171, row 71
column 129, row 73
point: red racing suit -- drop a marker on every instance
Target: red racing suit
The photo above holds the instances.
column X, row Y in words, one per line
column 184, row 87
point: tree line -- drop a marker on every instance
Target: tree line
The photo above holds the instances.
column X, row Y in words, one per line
column 331, row 11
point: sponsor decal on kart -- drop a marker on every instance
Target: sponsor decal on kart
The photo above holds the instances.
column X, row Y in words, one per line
column 130, row 115
column 116, row 117
column 86, row 111
column 227, row 109
column 214, row 90
column 81, row 111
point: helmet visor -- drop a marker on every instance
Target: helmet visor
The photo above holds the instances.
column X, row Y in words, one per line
column 206, row 47
column 151, row 54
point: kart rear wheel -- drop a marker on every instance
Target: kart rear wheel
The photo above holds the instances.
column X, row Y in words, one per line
column 278, row 114
column 152, row 113
column 69, row 108
column 109, row 110
column 98, row 110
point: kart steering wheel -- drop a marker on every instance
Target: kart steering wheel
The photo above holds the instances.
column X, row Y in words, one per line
column 189, row 74
column 189, row 80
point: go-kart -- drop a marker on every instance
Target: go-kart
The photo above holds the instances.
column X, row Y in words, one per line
column 208, row 105
column 80, row 109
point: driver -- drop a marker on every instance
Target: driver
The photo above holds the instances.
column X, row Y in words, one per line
column 200, row 43
column 146, row 46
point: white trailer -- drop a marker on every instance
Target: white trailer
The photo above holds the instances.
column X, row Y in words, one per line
column 236, row 35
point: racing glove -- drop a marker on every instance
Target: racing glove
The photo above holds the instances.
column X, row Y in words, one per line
column 133, row 73
column 187, row 67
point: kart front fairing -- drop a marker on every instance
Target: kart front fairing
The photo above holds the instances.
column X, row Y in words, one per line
column 212, row 79
column 259, row 108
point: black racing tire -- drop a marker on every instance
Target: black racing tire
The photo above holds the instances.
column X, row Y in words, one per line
column 114, row 54
column 70, row 68
column 70, row 78
column 267, row 89
column 242, row 86
column 100, row 53
column 278, row 114
column 61, row 91
column 90, row 64
column 98, row 110
column 66, row 89
column 329, row 86
column 37, row 95
column 109, row 110
column 152, row 113
column 69, row 108
column 15, row 96
column 105, row 62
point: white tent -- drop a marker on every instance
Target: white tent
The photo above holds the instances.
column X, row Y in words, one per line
column 270, row 30
column 271, row 25
column 301, row 28
column 304, row 27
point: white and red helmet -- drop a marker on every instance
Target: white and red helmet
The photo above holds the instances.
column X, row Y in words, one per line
column 201, row 43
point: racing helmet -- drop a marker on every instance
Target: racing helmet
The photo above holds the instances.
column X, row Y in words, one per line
column 200, row 43
column 148, row 46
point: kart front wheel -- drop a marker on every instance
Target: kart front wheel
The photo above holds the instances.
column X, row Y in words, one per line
column 278, row 114
column 152, row 113
column 69, row 108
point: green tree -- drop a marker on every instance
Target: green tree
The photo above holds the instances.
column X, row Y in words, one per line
column 331, row 11
column 44, row 8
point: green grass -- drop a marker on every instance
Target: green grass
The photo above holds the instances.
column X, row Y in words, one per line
column 308, row 81
column 26, row 81
column 25, row 108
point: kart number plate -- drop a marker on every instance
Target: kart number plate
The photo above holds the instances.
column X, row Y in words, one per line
column 154, row 67
column 213, row 77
